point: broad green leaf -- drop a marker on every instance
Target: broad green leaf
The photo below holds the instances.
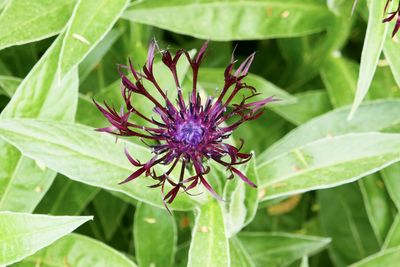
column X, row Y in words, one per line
column 327, row 162
column 304, row 262
column 280, row 249
column 391, row 176
column 238, row 254
column 234, row 19
column 18, row 192
column 94, row 57
column 43, row 94
column 66, row 197
column 77, row 251
column 393, row 237
column 212, row 79
column 340, row 78
column 241, row 201
column 90, row 22
column 155, row 236
column 309, row 104
column 391, row 49
column 109, row 210
column 373, row 116
column 387, row 258
column 28, row 21
column 378, row 205
column 88, row 114
column 22, row 234
column 344, row 219
column 373, row 44
column 103, row 162
column 9, row 85
column 209, row 246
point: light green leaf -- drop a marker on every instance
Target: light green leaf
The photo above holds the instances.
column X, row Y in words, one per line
column 66, row 197
column 280, row 249
column 340, row 78
column 18, row 193
column 22, row 234
column 328, row 162
column 94, row 57
column 391, row 50
column 309, row 104
column 43, row 94
column 352, row 238
column 234, row 19
column 377, row 204
column 90, row 22
column 77, row 251
column 373, row 116
column 155, row 236
column 304, row 262
column 212, row 79
column 103, row 161
column 110, row 211
column 241, row 201
column 391, row 177
column 209, row 246
column 387, row 258
column 9, row 84
column 373, row 44
column 393, row 237
column 239, row 255
column 28, row 21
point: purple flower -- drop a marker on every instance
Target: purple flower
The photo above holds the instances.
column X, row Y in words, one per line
column 190, row 133
column 393, row 15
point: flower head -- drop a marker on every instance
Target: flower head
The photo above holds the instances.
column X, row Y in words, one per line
column 190, row 133
column 393, row 15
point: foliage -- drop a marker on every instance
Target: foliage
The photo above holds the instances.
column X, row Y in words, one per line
column 325, row 157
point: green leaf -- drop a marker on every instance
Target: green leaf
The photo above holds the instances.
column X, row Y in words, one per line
column 391, row 49
column 90, row 22
column 373, row 116
column 239, row 255
column 328, row 162
column 22, row 22
column 241, row 201
column 103, row 161
column 373, row 44
column 212, row 78
column 155, row 236
column 340, row 78
column 280, row 249
column 77, row 250
column 393, row 237
column 22, row 234
column 14, row 187
column 94, row 57
column 377, row 204
column 304, row 262
column 309, row 104
column 66, row 197
column 387, row 258
column 209, row 245
column 390, row 176
column 344, row 219
column 110, row 211
column 42, row 94
column 9, row 84
column 233, row 20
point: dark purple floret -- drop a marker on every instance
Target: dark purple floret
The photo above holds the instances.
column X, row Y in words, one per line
column 393, row 15
column 190, row 133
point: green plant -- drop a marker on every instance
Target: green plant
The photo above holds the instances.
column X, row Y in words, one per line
column 324, row 156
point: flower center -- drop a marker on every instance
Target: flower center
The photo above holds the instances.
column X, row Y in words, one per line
column 190, row 133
